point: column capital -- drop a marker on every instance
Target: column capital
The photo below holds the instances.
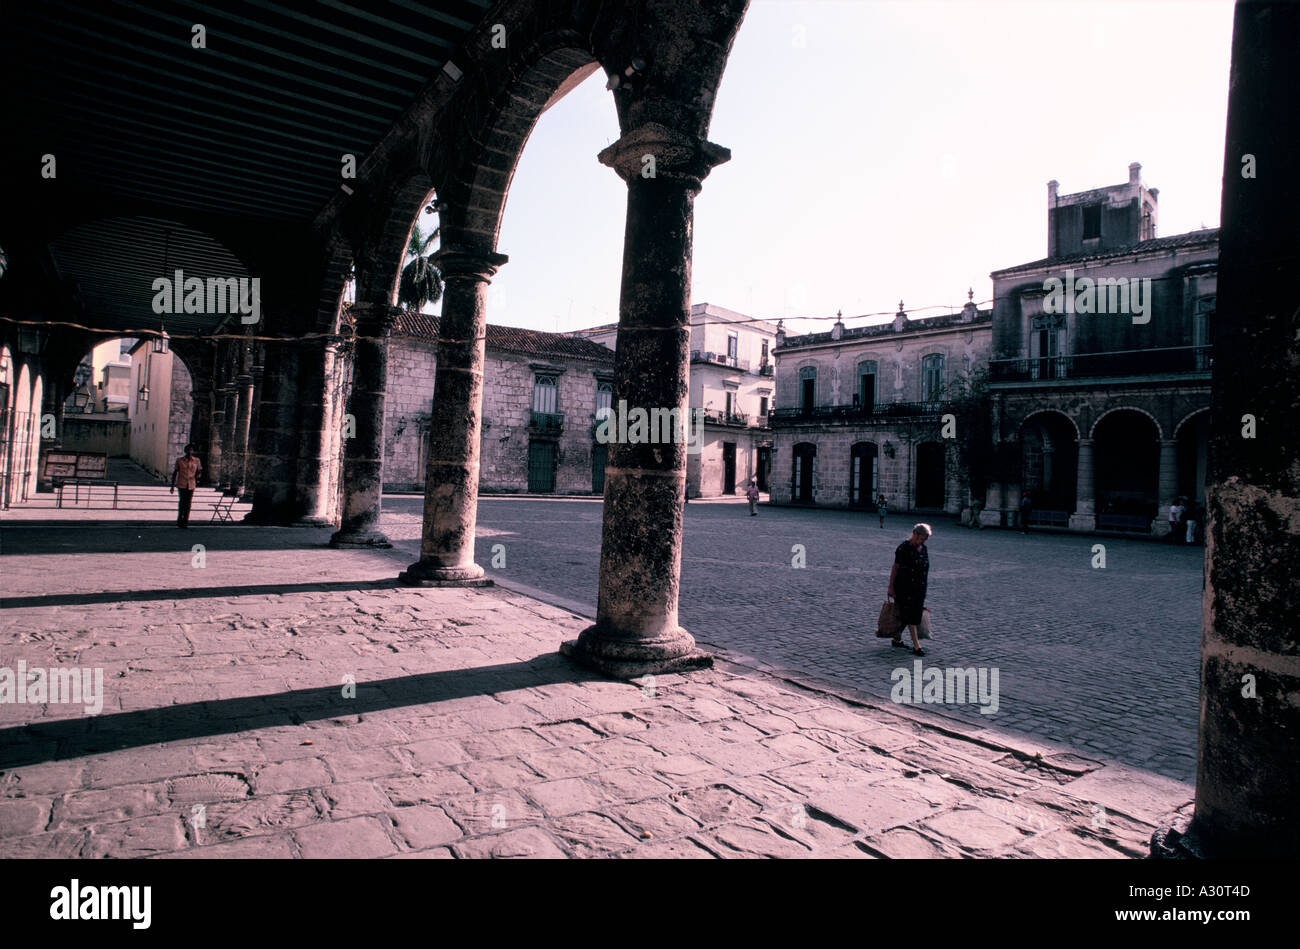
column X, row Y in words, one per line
column 258, row 372
column 467, row 261
column 374, row 316
column 244, row 380
column 676, row 155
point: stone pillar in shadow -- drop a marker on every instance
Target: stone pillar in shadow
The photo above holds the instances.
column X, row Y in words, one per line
column 229, row 402
column 1167, row 482
column 243, row 418
column 201, row 425
column 252, row 463
column 317, row 388
column 1084, row 517
column 636, row 630
column 363, row 452
column 451, row 473
column 1248, row 766
column 277, row 437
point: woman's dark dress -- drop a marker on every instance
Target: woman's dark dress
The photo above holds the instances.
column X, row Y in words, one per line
column 910, row 582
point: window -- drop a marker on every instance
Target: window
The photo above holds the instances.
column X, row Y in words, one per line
column 545, row 395
column 807, row 389
column 604, row 398
column 1091, row 222
column 733, row 348
column 763, row 358
column 762, row 406
column 731, row 404
column 865, row 397
column 931, row 377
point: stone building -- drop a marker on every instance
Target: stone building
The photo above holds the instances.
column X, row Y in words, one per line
column 541, row 392
column 860, row 411
column 732, row 379
column 1100, row 377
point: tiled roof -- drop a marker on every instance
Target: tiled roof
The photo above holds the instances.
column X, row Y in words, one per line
column 950, row 321
column 1209, row 235
column 512, row 339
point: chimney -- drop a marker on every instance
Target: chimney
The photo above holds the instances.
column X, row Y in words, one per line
column 1134, row 173
column 1051, row 216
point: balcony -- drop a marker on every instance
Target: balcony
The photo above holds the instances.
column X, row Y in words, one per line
column 767, row 369
column 719, row 359
column 881, row 412
column 546, row 423
column 726, row 418
column 1128, row 362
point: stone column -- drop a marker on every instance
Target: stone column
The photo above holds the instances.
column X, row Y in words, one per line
column 451, row 472
column 1248, row 767
column 252, row 460
column 216, row 449
column 1084, row 517
column 277, row 437
column 316, row 391
column 363, row 453
column 243, row 410
column 1167, row 480
column 228, row 402
column 201, row 425
column 636, row 630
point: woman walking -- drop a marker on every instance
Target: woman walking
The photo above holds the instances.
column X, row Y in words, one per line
column 907, row 583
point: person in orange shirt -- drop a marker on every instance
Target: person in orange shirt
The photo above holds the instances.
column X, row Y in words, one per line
column 185, row 475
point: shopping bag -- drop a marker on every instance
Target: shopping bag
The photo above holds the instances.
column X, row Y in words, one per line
column 888, row 626
column 924, row 630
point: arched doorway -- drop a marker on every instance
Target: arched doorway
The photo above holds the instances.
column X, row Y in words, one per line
column 1049, row 467
column 1126, row 462
column 931, row 472
column 803, row 473
column 864, row 474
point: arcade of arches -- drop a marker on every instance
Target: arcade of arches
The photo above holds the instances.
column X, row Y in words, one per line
column 271, row 394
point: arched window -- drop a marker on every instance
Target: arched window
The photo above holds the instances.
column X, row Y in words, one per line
column 545, row 395
column 931, row 377
column 807, row 389
column 865, row 397
column 604, row 398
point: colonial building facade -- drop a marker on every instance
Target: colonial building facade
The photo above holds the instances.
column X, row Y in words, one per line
column 541, row 393
column 732, row 380
column 1100, row 377
column 860, row 412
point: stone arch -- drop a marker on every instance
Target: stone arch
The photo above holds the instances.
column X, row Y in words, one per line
column 1092, row 432
column 1188, row 417
column 1064, row 415
column 478, row 186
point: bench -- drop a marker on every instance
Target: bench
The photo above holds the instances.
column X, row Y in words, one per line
column 76, row 468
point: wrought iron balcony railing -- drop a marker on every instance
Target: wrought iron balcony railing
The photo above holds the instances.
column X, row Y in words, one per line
column 881, row 410
column 726, row 418
column 1129, row 362
column 719, row 359
column 546, row 422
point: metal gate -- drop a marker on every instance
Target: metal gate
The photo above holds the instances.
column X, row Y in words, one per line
column 541, row 467
column 599, row 458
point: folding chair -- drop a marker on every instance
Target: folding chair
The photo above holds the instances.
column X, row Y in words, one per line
column 221, row 510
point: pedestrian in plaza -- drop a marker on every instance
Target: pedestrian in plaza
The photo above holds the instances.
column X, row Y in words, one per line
column 1191, row 522
column 1026, row 508
column 907, row 584
column 1198, row 515
column 751, row 494
column 882, row 508
column 185, row 477
column 976, row 508
column 1177, row 512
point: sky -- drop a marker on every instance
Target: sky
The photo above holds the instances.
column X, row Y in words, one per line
column 885, row 151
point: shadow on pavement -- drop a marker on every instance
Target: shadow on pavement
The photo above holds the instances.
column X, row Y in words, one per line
column 189, row 593
column 73, row 738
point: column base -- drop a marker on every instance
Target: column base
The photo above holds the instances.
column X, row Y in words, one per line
column 1085, row 523
column 632, row 658
column 313, row 522
column 1178, row 841
column 420, row 574
column 360, row 539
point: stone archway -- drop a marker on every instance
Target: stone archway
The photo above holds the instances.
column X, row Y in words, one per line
column 1127, row 458
column 1049, row 465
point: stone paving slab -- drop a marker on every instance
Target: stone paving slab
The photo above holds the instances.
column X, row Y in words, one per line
column 287, row 700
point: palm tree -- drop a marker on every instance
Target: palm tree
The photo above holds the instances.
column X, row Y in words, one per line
column 421, row 279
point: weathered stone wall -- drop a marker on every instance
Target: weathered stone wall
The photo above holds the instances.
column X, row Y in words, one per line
column 181, row 410
column 896, row 476
column 407, row 410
